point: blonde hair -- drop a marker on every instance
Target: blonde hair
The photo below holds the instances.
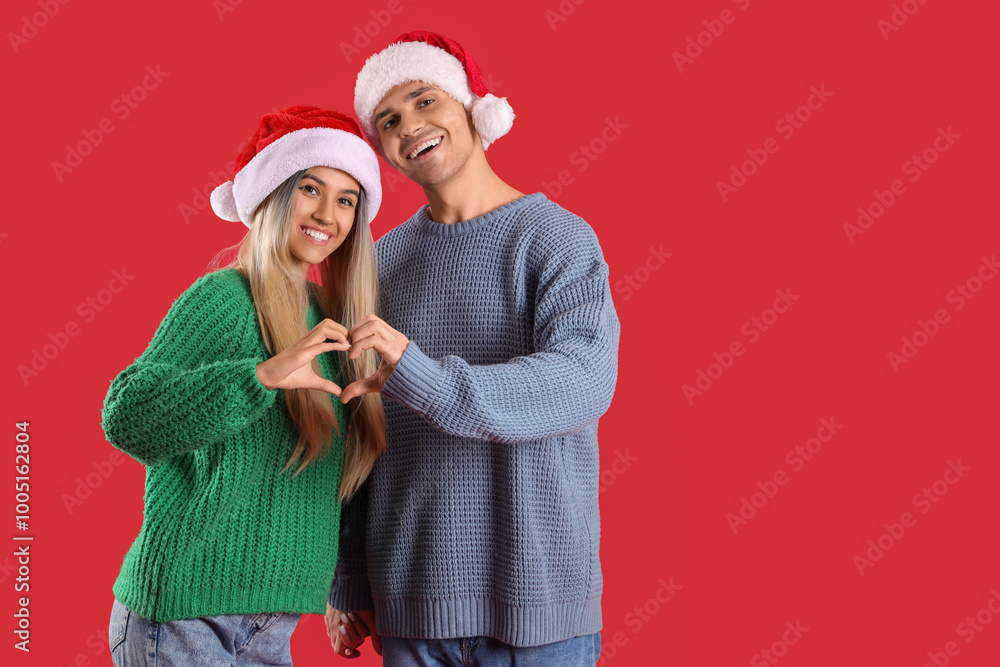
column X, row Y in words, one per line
column 349, row 291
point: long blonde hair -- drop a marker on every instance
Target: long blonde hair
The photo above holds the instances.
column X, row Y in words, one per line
column 349, row 291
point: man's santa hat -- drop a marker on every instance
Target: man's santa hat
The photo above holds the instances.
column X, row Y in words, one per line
column 437, row 60
column 287, row 142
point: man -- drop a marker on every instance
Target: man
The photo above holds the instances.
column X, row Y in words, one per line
column 475, row 540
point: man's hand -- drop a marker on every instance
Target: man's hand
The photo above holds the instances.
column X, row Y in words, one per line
column 347, row 631
column 371, row 333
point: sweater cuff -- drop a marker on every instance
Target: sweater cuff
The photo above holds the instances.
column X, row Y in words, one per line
column 252, row 389
column 351, row 594
column 415, row 379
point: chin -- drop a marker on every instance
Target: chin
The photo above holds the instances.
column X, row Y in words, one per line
column 434, row 177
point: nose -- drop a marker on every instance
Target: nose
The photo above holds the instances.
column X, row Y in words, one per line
column 324, row 210
column 410, row 124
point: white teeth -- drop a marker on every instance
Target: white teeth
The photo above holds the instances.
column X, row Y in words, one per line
column 427, row 144
column 319, row 236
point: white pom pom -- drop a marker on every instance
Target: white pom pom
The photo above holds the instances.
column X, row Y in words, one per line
column 224, row 202
column 493, row 118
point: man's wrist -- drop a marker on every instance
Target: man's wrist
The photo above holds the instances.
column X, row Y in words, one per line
column 415, row 379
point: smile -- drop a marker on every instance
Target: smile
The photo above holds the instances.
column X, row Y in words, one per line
column 318, row 236
column 423, row 148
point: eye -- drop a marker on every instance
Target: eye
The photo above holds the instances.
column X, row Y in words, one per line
column 425, row 102
column 389, row 123
column 346, row 202
column 309, row 189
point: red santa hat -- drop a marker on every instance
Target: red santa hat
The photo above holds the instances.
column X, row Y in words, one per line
column 437, row 60
column 289, row 141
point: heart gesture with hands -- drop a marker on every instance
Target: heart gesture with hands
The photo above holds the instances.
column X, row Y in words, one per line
column 292, row 367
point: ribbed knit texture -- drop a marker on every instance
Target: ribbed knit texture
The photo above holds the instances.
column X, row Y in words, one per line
column 481, row 518
column 224, row 531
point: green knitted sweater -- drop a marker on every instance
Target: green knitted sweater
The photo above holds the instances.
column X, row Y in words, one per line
column 224, row 531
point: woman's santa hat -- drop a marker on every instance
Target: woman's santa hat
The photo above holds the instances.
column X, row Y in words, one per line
column 437, row 60
column 287, row 142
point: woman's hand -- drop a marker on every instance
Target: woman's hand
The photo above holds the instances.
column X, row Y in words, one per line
column 292, row 367
column 347, row 631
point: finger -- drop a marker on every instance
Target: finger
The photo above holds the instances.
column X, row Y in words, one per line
column 359, row 625
column 359, row 388
column 389, row 343
column 343, row 650
column 345, row 636
column 373, row 342
column 320, row 348
column 327, row 324
column 350, row 632
column 339, row 334
column 366, row 325
column 328, row 329
column 328, row 333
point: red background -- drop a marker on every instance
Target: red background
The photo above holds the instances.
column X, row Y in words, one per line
column 683, row 465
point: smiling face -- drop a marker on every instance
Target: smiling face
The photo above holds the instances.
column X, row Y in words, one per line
column 426, row 133
column 324, row 203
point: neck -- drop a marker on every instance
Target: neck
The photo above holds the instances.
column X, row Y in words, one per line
column 303, row 269
column 470, row 193
column 305, row 281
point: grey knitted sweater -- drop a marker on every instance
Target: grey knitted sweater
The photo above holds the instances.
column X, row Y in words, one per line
column 481, row 518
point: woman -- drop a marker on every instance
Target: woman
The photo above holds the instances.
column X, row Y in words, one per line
column 229, row 409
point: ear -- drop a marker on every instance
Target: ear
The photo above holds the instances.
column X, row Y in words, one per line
column 476, row 139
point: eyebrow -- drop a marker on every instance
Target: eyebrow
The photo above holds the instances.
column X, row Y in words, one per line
column 343, row 191
column 409, row 96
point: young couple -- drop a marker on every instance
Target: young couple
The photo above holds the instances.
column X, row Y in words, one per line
column 470, row 530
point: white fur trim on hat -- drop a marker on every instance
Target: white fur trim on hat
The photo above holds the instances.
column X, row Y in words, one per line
column 223, row 202
column 295, row 151
column 419, row 61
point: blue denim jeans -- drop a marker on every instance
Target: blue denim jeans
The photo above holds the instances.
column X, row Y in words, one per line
column 488, row 652
column 211, row 641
